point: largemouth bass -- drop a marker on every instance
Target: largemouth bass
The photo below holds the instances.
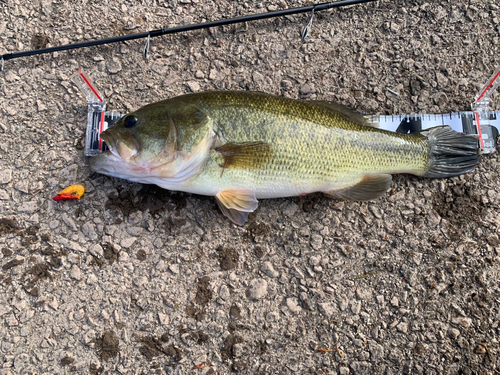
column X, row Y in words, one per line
column 242, row 146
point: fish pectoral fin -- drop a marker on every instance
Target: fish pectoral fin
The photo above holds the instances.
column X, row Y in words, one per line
column 347, row 113
column 370, row 187
column 236, row 204
column 244, row 154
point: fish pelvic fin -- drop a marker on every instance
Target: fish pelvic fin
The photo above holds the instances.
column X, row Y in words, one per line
column 236, row 204
column 450, row 153
column 245, row 154
column 370, row 187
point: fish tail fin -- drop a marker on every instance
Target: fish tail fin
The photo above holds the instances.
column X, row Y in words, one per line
column 450, row 153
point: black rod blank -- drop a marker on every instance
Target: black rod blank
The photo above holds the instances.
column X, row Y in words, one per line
column 181, row 29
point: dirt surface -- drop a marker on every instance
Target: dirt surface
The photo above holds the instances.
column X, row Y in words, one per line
column 133, row 279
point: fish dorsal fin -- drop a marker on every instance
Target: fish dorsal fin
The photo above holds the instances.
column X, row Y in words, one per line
column 370, row 187
column 236, row 204
column 244, row 154
column 347, row 113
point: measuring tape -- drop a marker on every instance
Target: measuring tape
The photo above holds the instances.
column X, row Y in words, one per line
column 479, row 122
column 484, row 126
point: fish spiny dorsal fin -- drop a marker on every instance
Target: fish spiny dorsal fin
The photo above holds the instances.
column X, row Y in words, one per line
column 347, row 113
column 369, row 188
column 244, row 154
column 236, row 204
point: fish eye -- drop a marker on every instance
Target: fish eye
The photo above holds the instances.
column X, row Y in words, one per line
column 130, row 121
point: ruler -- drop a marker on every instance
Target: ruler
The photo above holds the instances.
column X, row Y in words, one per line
column 481, row 122
column 485, row 125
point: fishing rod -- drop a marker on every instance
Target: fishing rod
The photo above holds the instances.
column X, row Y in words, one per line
column 180, row 29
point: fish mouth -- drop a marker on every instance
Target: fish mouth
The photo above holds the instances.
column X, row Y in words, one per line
column 110, row 143
column 124, row 148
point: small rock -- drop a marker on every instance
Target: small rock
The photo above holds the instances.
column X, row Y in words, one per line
column 316, row 241
column 453, row 333
column 314, row 260
column 28, row 207
column 11, row 320
column 5, row 176
column 224, row 292
column 293, row 305
column 75, row 272
column 307, row 90
column 96, row 251
column 290, row 209
column 257, row 289
column 114, row 66
column 127, row 242
column 134, row 231
column 327, row 308
column 402, row 327
column 442, row 80
column 356, row 307
column 163, row 318
column 395, row 301
column 193, row 86
column 464, row 322
column 268, row 269
column 69, row 222
column 89, row 231
column 376, row 350
column 174, row 268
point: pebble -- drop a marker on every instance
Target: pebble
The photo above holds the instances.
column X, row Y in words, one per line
column 464, row 322
column 307, row 90
column 127, row 242
column 96, row 250
column 293, row 305
column 89, row 231
column 257, row 289
column 164, row 319
column 268, row 269
column 356, row 307
column 174, row 268
column 395, row 301
column 314, row 260
column 28, row 207
column 289, row 209
column 327, row 308
column 75, row 272
column 376, row 350
column 224, row 292
column 114, row 66
column 69, row 222
column 453, row 333
column 11, row 320
column 402, row 327
column 193, row 86
column 316, row 241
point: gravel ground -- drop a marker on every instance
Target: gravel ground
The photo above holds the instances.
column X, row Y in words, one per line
column 133, row 279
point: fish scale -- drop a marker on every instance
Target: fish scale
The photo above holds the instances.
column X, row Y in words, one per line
column 316, row 148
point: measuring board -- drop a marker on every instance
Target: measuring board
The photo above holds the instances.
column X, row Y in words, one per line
column 480, row 122
column 462, row 122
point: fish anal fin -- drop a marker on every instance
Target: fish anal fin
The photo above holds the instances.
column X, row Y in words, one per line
column 369, row 188
column 244, row 154
column 236, row 204
column 347, row 113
